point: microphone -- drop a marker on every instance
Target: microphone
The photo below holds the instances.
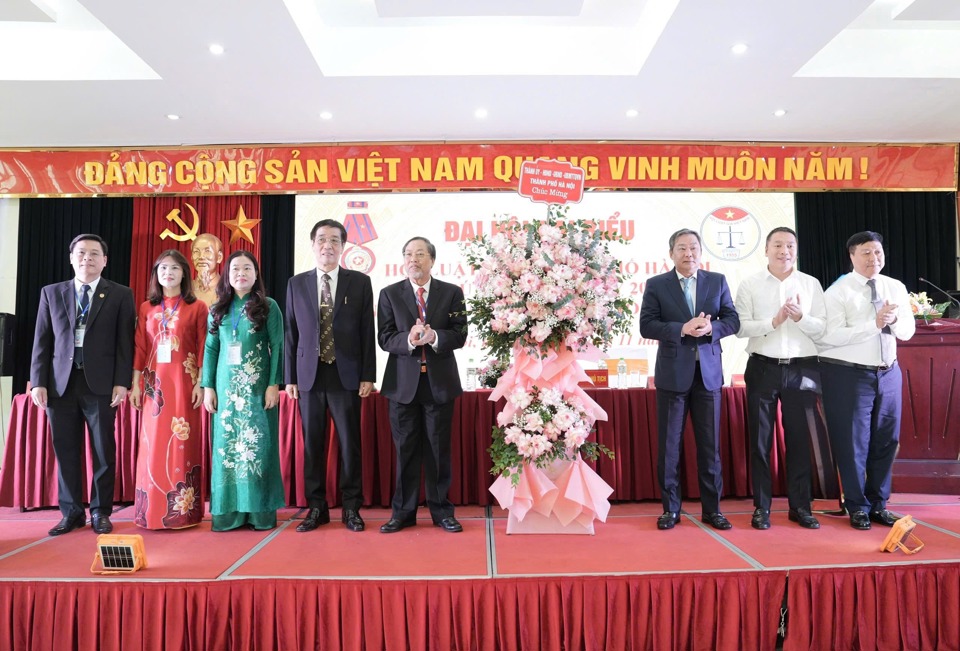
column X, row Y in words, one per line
column 945, row 293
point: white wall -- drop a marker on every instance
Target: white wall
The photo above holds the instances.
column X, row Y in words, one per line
column 9, row 226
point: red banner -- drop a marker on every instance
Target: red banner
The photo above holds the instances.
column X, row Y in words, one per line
column 463, row 166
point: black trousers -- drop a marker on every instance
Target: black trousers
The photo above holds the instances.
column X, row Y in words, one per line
column 421, row 435
column 328, row 398
column 796, row 388
column 68, row 414
column 703, row 405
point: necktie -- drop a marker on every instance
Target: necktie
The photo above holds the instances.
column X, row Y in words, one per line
column 688, row 292
column 82, row 312
column 888, row 345
column 422, row 306
column 326, row 322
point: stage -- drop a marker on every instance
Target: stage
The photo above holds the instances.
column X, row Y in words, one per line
column 629, row 586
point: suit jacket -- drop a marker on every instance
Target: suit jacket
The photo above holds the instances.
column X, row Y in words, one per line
column 353, row 339
column 662, row 315
column 397, row 313
column 107, row 343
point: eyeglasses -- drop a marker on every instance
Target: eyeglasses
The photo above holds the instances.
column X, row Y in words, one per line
column 333, row 241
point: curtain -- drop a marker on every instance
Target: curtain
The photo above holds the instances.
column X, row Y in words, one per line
column 46, row 229
column 730, row 610
column 907, row 607
column 919, row 232
column 277, row 245
column 150, row 222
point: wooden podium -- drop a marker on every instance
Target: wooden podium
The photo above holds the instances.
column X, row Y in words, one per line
column 929, row 456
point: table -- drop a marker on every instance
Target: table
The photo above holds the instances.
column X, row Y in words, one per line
column 28, row 478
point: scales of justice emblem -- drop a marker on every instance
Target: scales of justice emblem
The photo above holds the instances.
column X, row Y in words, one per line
column 730, row 233
column 360, row 230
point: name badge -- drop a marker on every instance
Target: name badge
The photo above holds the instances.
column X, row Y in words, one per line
column 78, row 336
column 164, row 352
column 234, row 353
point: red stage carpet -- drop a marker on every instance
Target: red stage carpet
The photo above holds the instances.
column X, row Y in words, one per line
column 628, row 586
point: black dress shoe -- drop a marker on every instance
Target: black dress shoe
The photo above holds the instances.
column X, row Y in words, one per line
column 884, row 517
column 668, row 520
column 760, row 519
column 101, row 523
column 68, row 524
column 859, row 520
column 804, row 518
column 717, row 521
column 315, row 518
column 450, row 524
column 393, row 525
column 352, row 519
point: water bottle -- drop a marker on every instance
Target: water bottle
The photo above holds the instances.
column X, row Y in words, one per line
column 471, row 376
column 622, row 373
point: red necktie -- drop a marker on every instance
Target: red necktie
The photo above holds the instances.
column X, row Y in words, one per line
column 422, row 306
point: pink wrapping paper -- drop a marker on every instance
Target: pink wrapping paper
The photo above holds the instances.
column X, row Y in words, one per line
column 577, row 494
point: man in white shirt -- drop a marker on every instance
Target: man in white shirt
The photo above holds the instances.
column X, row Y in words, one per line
column 781, row 312
column 862, row 383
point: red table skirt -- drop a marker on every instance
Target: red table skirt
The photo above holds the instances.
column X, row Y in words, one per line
column 28, row 478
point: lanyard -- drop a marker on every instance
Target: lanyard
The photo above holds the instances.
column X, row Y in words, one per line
column 236, row 314
column 83, row 310
column 164, row 319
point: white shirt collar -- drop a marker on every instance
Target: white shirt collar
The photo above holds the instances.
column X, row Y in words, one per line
column 334, row 273
column 77, row 284
column 426, row 286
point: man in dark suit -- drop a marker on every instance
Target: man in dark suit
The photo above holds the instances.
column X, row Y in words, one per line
column 82, row 369
column 330, row 363
column 421, row 321
column 688, row 311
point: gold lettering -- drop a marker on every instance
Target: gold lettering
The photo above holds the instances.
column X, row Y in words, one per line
column 274, row 171
column 93, row 173
column 701, row 169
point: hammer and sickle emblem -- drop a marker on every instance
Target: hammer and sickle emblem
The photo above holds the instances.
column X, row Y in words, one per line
column 188, row 233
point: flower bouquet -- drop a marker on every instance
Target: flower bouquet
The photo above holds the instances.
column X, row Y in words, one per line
column 489, row 374
column 543, row 426
column 925, row 309
column 547, row 283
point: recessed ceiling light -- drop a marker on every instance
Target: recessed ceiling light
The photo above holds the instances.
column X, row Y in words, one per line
column 632, row 113
column 326, row 115
column 779, row 113
column 739, row 48
column 480, row 113
column 216, row 48
column 173, row 116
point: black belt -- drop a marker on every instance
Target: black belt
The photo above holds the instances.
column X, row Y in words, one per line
column 859, row 367
column 783, row 361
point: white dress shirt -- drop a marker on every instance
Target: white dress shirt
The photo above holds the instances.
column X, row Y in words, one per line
column 852, row 334
column 759, row 298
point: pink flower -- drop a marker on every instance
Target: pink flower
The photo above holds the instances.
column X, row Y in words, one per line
column 520, row 398
column 533, row 422
column 512, row 434
column 540, row 332
column 528, row 283
column 566, row 313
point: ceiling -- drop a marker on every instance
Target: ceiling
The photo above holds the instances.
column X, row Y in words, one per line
column 107, row 73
